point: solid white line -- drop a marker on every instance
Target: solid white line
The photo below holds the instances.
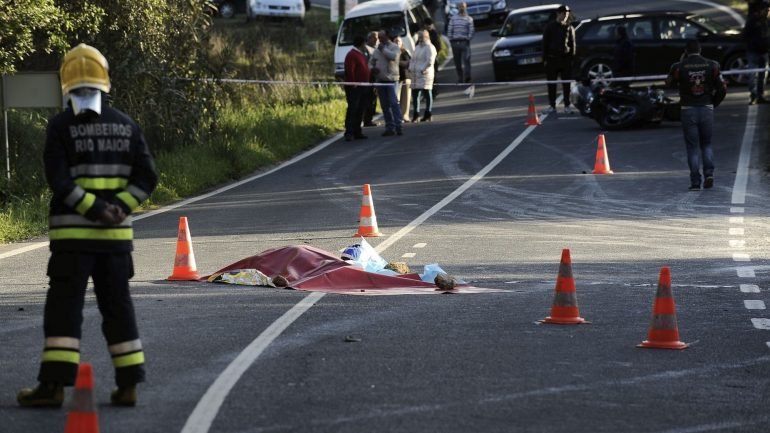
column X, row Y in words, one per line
column 207, row 408
column 742, row 175
column 454, row 194
column 23, row 249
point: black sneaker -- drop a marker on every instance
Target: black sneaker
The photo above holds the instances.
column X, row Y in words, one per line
column 124, row 396
column 43, row 395
column 388, row 133
column 694, row 188
column 709, row 182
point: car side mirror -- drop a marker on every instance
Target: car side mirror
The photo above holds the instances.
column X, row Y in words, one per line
column 495, row 33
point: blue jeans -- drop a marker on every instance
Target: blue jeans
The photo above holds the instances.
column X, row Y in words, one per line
column 417, row 94
column 697, row 124
column 757, row 80
column 391, row 109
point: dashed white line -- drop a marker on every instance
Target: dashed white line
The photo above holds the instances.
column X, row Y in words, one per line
column 736, row 209
column 737, row 243
column 745, row 272
column 753, row 304
column 749, row 288
column 736, row 220
column 761, row 323
column 408, row 255
column 736, row 231
column 741, row 257
column 420, row 245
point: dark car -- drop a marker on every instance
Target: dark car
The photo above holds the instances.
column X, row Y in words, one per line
column 482, row 11
column 519, row 48
column 659, row 39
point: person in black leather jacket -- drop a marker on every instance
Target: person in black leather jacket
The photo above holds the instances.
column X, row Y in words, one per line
column 701, row 88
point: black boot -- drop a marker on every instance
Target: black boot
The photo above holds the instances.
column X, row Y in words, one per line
column 124, row 396
column 45, row 394
column 426, row 117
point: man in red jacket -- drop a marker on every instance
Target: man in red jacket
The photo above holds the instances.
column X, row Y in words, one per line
column 356, row 71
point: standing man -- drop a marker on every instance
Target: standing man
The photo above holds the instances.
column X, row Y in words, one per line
column 558, row 50
column 757, row 37
column 356, row 71
column 701, row 88
column 99, row 169
column 460, row 32
column 384, row 64
column 371, row 105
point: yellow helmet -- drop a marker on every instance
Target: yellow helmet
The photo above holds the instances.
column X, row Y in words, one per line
column 84, row 66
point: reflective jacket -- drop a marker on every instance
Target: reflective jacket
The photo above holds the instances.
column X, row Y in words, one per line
column 92, row 160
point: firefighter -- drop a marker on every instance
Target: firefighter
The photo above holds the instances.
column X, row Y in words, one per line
column 99, row 169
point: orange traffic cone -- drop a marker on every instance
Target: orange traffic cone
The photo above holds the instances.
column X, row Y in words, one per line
column 532, row 118
column 663, row 333
column 602, row 165
column 564, row 310
column 185, row 268
column 82, row 416
column 367, row 225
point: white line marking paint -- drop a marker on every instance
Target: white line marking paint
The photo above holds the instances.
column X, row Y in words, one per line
column 741, row 257
column 735, row 231
column 745, row 272
column 736, row 210
column 736, row 243
column 736, row 220
column 749, row 288
column 420, row 245
column 207, row 408
column 24, row 249
column 408, row 255
column 761, row 323
column 752, row 304
column 742, row 174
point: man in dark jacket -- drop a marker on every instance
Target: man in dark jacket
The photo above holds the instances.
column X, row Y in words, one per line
column 356, row 71
column 558, row 50
column 99, row 169
column 701, row 88
column 757, row 38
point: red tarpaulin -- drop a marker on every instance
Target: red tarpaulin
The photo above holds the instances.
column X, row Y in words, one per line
column 313, row 269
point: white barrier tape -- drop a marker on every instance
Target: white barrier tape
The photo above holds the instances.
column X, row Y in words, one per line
column 494, row 83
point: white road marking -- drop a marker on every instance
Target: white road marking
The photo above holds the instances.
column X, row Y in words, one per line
column 752, row 304
column 420, row 245
column 761, row 323
column 742, row 174
column 745, row 272
column 736, row 220
column 736, row 210
column 749, row 288
column 408, row 255
column 735, row 231
column 741, row 257
column 737, row 243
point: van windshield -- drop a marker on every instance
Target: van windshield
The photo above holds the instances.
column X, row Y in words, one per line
column 370, row 23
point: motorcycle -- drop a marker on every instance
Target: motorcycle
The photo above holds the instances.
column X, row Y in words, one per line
column 623, row 107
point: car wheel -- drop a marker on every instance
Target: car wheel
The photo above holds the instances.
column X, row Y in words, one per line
column 598, row 71
column 734, row 62
column 227, row 10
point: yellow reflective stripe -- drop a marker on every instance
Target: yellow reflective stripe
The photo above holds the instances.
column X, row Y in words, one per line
column 100, row 183
column 61, row 356
column 128, row 199
column 128, row 360
column 118, row 234
column 86, row 203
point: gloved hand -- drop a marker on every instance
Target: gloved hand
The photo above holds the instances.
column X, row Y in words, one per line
column 112, row 215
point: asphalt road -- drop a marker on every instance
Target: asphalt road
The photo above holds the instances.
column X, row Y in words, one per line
column 494, row 202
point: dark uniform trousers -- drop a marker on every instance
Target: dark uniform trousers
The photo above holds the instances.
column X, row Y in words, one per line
column 68, row 273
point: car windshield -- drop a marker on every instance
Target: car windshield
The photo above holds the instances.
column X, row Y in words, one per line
column 710, row 24
column 363, row 25
column 527, row 24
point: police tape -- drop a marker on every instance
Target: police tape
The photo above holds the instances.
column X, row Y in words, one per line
column 495, row 83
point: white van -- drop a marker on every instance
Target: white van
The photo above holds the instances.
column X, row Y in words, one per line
column 376, row 15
